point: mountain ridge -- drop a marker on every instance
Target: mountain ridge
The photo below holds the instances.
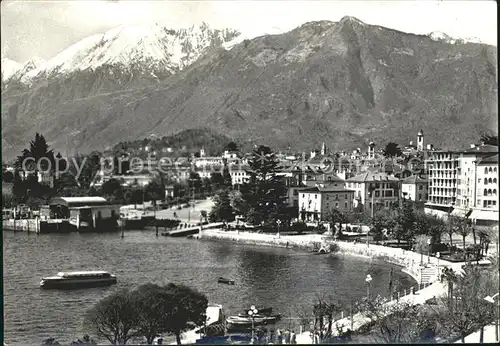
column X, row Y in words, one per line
column 343, row 83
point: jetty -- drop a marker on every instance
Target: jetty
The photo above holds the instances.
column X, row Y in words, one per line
column 36, row 225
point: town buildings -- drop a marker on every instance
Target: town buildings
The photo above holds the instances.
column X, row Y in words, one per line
column 316, row 203
column 373, row 191
column 415, row 188
column 463, row 183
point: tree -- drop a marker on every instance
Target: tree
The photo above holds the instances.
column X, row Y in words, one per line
column 85, row 168
column 421, row 246
column 187, row 310
column 232, row 146
column 265, row 191
column 39, row 149
column 464, row 229
column 216, row 180
column 114, row 318
column 194, row 182
column 227, row 180
column 404, row 223
column 464, row 310
column 489, row 139
column 154, row 309
column 393, row 322
column 379, row 222
column 112, row 189
column 222, row 210
column 336, row 217
column 392, row 150
column 204, row 215
column 154, row 191
column 133, row 195
column 323, row 309
column 7, row 177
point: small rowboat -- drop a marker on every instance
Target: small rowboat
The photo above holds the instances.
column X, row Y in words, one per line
column 222, row 280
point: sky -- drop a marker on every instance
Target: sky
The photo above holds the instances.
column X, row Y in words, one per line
column 38, row 28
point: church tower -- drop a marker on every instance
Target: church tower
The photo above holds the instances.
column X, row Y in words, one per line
column 420, row 141
column 323, row 149
column 202, row 152
column 371, row 150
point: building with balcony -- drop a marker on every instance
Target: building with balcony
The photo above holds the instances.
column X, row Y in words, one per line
column 443, row 181
column 415, row 188
column 460, row 183
column 316, row 203
column 374, row 190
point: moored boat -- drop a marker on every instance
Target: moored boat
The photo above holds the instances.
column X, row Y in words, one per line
column 222, row 280
column 135, row 219
column 80, row 279
column 245, row 323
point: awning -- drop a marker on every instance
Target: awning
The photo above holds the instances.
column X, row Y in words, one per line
column 460, row 212
column 487, row 215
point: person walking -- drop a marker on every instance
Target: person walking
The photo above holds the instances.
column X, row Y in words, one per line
column 287, row 336
column 293, row 338
column 279, row 337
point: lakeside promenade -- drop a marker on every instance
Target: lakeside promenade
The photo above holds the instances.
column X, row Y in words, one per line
column 410, row 261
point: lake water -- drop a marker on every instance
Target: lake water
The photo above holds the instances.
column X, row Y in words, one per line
column 288, row 280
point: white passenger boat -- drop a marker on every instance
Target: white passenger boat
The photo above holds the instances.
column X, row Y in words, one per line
column 78, row 279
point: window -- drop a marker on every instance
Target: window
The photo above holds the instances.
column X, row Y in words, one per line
column 327, row 205
column 485, row 170
column 494, row 203
column 377, row 185
column 315, row 196
column 494, row 180
column 419, row 196
column 479, row 202
column 494, row 169
column 346, row 196
column 303, row 195
column 485, row 193
column 329, row 178
column 336, row 197
column 485, row 204
column 336, row 205
column 490, row 181
column 420, row 187
column 494, row 192
column 490, row 170
column 377, row 193
column 489, row 192
column 345, row 205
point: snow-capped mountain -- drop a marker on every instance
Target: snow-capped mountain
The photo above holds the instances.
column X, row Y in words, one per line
column 9, row 68
column 28, row 66
column 146, row 50
column 442, row 37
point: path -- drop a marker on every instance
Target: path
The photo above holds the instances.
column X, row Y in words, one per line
column 187, row 214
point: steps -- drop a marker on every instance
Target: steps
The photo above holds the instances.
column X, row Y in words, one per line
column 428, row 274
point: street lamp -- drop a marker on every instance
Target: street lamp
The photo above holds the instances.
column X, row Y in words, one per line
column 252, row 312
column 491, row 300
column 438, row 254
column 368, row 281
column 428, row 250
column 278, row 222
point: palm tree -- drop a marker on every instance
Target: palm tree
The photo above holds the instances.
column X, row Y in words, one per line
column 421, row 246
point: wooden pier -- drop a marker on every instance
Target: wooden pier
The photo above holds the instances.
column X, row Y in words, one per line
column 36, row 226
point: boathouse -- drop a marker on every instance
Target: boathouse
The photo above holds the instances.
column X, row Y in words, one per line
column 92, row 213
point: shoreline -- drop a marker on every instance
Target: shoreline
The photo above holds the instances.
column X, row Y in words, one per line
column 408, row 260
